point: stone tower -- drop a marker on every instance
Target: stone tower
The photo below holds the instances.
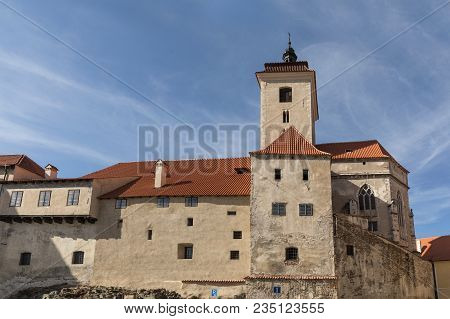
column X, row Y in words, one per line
column 288, row 98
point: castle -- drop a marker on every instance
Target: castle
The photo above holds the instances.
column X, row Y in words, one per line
column 295, row 219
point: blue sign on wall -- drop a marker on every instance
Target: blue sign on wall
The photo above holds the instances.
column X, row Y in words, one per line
column 214, row 293
column 276, row 289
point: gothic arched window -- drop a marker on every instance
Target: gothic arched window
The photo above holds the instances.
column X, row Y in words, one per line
column 401, row 219
column 366, row 198
column 285, row 94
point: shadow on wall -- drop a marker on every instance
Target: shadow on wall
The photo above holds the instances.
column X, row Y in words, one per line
column 50, row 252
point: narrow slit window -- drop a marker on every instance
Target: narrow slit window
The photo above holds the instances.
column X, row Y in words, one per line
column 305, row 174
column 277, row 174
column 149, row 234
column 286, row 116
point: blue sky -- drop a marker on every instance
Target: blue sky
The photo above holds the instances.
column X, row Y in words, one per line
column 197, row 60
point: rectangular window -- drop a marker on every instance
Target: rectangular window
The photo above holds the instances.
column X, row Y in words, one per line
column 305, row 174
column 44, row 198
column 285, row 95
column 276, row 290
column 190, row 221
column 237, row 234
column 277, row 174
column 121, row 203
column 149, row 234
column 373, row 226
column 286, row 116
column 188, row 252
column 73, row 196
column 234, row 254
column 25, row 259
column 78, row 258
column 16, row 199
column 191, row 201
column 279, row 209
column 231, row 213
column 350, row 250
column 305, row 209
column 163, row 201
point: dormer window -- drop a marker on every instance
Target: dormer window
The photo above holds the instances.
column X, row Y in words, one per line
column 285, row 95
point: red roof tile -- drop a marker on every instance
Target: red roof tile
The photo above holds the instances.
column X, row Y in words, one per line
column 300, row 66
column 435, row 248
column 291, row 277
column 357, row 150
column 292, row 142
column 22, row 161
column 203, row 177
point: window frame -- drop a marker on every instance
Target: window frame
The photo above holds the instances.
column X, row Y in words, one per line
column 149, row 234
column 25, row 258
column 237, row 234
column 165, row 201
column 188, row 252
column 276, row 211
column 75, row 195
column 366, row 198
column 234, row 255
column 121, row 201
column 291, row 254
column 305, row 209
column 78, row 257
column 45, row 202
column 17, row 203
column 189, row 201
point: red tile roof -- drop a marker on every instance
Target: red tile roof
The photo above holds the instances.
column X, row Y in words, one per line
column 291, row 277
column 291, row 142
column 300, row 66
column 435, row 248
column 22, row 161
column 203, row 177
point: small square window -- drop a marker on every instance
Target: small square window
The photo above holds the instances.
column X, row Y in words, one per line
column 149, row 234
column 305, row 209
column 373, row 226
column 191, row 201
column 277, row 174
column 237, row 234
column 163, row 202
column 234, row 254
column 190, row 221
column 44, row 198
column 231, row 213
column 25, row 259
column 16, row 199
column 78, row 258
column 305, row 174
column 350, row 250
column 188, row 252
column 291, row 253
column 279, row 209
column 276, row 289
column 73, row 197
column 121, row 203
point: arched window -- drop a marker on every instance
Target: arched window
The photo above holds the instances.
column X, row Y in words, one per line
column 401, row 219
column 291, row 253
column 366, row 198
column 285, row 94
column 286, row 116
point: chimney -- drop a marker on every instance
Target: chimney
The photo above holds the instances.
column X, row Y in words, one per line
column 51, row 172
column 160, row 174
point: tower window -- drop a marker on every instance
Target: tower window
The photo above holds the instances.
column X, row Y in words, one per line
column 277, row 174
column 237, row 234
column 305, row 174
column 78, row 258
column 234, row 254
column 25, row 259
column 373, row 226
column 149, row 234
column 190, row 221
column 291, row 253
column 279, row 209
column 350, row 250
column 285, row 95
column 285, row 116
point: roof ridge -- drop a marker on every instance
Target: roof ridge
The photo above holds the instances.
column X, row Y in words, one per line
column 360, row 141
column 183, row 160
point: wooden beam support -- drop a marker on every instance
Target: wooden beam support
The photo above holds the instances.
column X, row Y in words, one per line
column 69, row 220
column 48, row 220
column 37, row 220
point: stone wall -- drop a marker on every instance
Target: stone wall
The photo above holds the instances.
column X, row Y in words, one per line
column 378, row 268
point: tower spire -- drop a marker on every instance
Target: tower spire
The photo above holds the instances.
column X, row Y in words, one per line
column 289, row 54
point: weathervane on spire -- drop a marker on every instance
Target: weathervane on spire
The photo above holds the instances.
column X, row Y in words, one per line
column 289, row 54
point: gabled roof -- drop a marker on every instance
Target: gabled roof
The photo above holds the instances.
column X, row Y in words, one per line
column 202, row 177
column 435, row 248
column 291, row 142
column 357, row 150
column 22, row 161
column 300, row 66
